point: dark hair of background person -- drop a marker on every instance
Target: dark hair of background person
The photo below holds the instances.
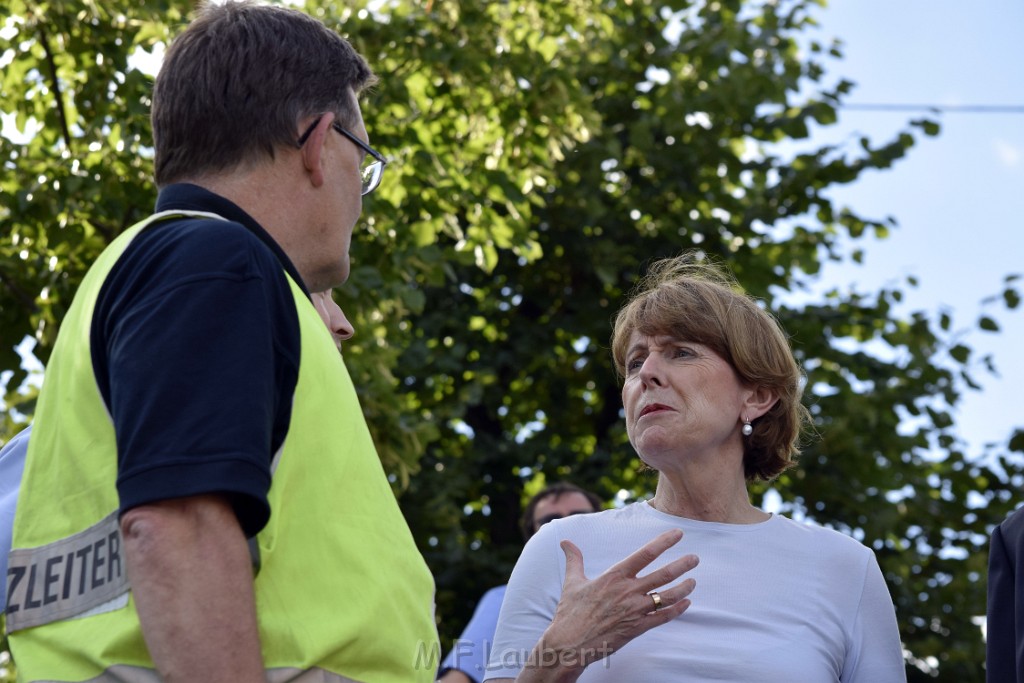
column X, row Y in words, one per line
column 702, row 303
column 556, row 491
column 235, row 83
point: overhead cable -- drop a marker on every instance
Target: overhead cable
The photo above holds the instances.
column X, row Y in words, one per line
column 951, row 108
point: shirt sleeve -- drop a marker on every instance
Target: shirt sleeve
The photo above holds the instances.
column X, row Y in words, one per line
column 471, row 649
column 875, row 654
column 529, row 605
column 195, row 342
column 12, row 466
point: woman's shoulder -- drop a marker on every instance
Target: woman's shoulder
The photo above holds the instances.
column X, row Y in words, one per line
column 823, row 540
column 627, row 518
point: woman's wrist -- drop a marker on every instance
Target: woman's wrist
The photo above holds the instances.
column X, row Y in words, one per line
column 556, row 660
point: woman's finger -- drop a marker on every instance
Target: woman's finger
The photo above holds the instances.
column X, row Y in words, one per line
column 649, row 552
column 668, row 597
column 662, row 576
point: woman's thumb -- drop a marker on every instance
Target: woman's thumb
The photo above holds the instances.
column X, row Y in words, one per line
column 573, row 560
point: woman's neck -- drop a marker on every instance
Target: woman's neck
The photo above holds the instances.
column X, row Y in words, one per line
column 715, row 499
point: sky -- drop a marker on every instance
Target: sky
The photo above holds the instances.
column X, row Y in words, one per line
column 959, row 197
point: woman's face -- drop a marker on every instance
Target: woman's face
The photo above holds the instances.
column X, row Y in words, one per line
column 681, row 399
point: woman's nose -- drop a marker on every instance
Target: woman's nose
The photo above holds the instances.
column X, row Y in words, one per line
column 339, row 325
column 651, row 370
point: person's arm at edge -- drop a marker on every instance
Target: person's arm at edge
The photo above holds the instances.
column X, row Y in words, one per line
column 191, row 576
column 1000, row 646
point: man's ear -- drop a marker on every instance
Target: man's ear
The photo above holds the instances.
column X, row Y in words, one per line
column 759, row 402
column 313, row 150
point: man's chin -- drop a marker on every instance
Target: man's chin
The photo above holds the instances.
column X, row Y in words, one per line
column 343, row 273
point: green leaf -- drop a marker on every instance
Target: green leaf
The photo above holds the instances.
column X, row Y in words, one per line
column 960, row 353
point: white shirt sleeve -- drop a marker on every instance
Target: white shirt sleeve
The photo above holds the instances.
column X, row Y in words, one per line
column 529, row 606
column 875, row 653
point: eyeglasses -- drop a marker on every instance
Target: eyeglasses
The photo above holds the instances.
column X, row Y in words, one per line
column 370, row 173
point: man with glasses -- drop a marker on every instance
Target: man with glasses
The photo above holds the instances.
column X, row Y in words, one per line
column 201, row 498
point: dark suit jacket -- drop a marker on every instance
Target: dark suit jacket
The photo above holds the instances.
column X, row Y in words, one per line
column 1004, row 653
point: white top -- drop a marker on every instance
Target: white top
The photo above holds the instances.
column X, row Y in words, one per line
column 775, row 601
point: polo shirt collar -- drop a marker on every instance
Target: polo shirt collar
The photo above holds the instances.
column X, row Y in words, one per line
column 188, row 197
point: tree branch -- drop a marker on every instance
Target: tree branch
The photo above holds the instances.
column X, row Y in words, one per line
column 58, row 95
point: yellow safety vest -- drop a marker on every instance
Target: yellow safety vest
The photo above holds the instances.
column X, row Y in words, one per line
column 342, row 593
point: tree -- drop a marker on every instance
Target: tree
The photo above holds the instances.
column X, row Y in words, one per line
column 544, row 153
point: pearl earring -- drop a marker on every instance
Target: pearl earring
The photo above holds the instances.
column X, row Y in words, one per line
column 748, row 428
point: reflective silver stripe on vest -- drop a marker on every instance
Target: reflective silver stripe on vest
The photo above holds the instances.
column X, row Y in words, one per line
column 65, row 578
column 121, row 673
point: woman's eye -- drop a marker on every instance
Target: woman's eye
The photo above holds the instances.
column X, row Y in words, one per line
column 634, row 364
column 683, row 352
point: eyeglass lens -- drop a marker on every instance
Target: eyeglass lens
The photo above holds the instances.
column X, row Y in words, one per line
column 371, row 176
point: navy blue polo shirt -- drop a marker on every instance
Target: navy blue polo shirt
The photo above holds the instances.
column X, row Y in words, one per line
column 195, row 346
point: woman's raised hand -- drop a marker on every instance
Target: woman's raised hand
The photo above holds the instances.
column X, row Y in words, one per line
column 595, row 617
